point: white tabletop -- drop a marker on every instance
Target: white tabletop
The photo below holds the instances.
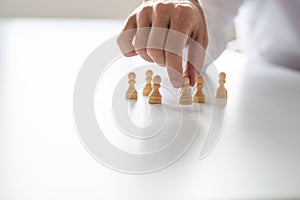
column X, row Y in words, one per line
column 42, row 157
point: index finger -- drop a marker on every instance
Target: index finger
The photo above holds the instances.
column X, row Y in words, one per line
column 195, row 57
column 175, row 43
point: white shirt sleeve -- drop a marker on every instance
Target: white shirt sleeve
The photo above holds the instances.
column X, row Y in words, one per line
column 219, row 16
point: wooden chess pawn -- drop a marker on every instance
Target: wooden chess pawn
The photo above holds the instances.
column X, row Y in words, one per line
column 185, row 97
column 155, row 97
column 199, row 96
column 221, row 91
column 148, row 87
column 131, row 92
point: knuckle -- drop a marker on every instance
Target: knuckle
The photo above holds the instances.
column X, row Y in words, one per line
column 161, row 7
column 124, row 46
column 170, row 55
column 161, row 18
column 141, row 51
column 157, row 56
column 131, row 19
column 180, row 9
column 143, row 54
column 119, row 39
column 183, row 10
column 127, row 54
column 162, row 11
column 140, row 43
column 155, row 53
column 146, row 10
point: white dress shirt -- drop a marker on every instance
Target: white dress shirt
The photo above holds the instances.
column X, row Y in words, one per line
column 266, row 28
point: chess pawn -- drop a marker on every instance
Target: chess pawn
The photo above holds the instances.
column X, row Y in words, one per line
column 221, row 91
column 148, row 87
column 185, row 97
column 155, row 96
column 199, row 96
column 131, row 92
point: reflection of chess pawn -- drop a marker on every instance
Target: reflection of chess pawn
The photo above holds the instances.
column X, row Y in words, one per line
column 199, row 96
column 185, row 97
column 155, row 96
column 148, row 87
column 221, row 91
column 131, row 92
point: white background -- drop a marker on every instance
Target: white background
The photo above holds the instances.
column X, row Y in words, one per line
column 67, row 8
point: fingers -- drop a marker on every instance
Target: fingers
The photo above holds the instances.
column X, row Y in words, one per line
column 126, row 37
column 158, row 33
column 143, row 30
column 195, row 57
column 161, row 31
column 191, row 72
column 175, row 43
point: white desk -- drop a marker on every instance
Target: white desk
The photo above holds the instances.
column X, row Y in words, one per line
column 41, row 156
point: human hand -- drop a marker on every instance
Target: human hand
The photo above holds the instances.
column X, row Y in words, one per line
column 160, row 30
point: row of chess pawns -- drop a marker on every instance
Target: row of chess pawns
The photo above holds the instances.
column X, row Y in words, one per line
column 185, row 97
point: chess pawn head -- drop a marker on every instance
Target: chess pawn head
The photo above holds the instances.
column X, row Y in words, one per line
column 185, row 97
column 199, row 96
column 149, row 73
column 200, row 80
column 131, row 76
column 155, row 97
column 186, row 80
column 156, row 80
column 131, row 92
column 148, row 88
column 221, row 91
column 222, row 76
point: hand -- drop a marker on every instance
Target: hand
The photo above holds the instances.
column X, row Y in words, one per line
column 161, row 30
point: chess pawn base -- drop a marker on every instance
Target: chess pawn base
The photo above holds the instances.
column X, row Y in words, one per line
column 131, row 94
column 199, row 98
column 147, row 90
column 185, row 100
column 155, row 99
column 222, row 94
column 155, row 96
column 185, row 97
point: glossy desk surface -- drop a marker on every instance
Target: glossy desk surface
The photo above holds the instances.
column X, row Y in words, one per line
column 41, row 155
